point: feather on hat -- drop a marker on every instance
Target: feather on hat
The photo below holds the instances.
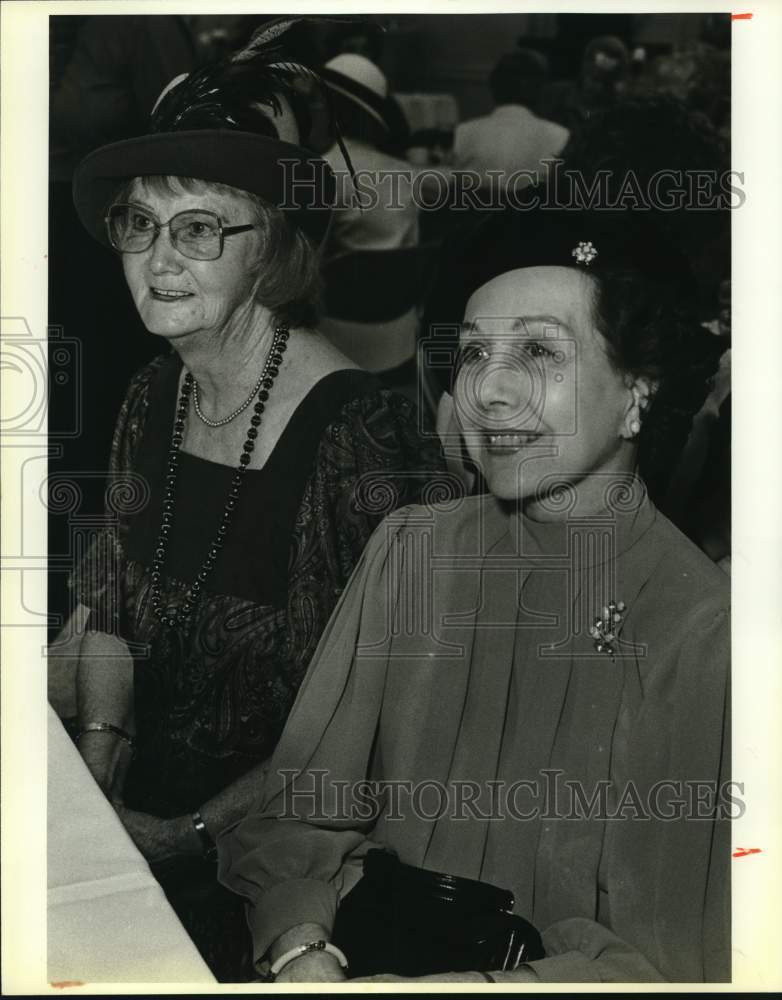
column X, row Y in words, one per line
column 238, row 122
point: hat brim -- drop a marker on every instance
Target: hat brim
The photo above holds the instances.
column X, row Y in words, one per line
column 369, row 102
column 287, row 176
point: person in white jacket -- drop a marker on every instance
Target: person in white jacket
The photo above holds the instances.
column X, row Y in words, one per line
column 378, row 211
column 511, row 139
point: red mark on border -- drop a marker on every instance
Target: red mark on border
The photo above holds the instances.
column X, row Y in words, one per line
column 742, row 852
column 65, row 983
column 741, row 17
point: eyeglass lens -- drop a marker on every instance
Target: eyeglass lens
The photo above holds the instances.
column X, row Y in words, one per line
column 194, row 233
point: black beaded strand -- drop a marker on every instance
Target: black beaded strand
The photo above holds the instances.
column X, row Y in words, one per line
column 169, row 617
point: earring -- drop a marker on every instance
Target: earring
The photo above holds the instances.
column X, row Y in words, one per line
column 635, row 426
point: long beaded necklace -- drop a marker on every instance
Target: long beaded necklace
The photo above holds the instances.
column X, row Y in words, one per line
column 169, row 616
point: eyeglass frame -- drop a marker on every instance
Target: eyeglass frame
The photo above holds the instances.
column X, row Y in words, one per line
column 222, row 230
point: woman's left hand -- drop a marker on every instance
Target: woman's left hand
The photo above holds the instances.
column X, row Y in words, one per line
column 156, row 838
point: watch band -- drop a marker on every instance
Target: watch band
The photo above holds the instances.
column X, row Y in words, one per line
column 209, row 846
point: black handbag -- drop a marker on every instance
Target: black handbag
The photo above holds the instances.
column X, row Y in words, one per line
column 411, row 922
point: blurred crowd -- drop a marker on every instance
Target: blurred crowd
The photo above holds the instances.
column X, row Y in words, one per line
column 106, row 72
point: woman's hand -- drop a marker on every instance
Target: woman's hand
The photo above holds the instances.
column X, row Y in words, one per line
column 314, row 967
column 159, row 839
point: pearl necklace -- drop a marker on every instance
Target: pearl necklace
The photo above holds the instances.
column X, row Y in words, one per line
column 173, row 617
column 231, row 416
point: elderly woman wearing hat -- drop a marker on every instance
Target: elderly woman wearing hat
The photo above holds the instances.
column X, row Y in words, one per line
column 509, row 760
column 262, row 460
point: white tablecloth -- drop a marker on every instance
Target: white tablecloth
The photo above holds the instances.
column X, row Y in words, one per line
column 108, row 919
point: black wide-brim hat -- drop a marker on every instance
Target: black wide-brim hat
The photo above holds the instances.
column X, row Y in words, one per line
column 290, row 177
column 239, row 122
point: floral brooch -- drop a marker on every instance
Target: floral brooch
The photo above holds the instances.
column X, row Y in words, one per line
column 584, row 253
column 605, row 629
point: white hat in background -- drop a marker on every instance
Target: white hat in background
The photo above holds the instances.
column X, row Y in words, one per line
column 359, row 80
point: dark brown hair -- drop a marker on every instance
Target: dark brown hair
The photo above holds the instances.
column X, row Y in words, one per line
column 653, row 332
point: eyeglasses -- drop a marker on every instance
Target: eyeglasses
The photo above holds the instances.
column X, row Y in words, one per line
column 196, row 234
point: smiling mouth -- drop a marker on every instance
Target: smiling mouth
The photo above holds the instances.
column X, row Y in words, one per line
column 168, row 295
column 503, row 442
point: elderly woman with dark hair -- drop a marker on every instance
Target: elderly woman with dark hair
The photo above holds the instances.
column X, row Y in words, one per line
column 509, row 760
column 258, row 448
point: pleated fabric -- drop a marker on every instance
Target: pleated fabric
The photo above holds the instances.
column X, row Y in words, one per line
column 458, row 676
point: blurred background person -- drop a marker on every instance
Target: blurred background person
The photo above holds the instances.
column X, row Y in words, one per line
column 697, row 74
column 381, row 214
column 512, row 137
column 603, row 80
